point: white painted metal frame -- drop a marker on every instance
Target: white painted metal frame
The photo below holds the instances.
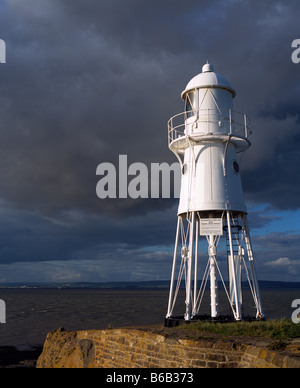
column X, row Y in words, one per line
column 190, row 264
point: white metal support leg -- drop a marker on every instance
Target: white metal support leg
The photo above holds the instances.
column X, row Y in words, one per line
column 171, row 296
column 232, row 267
column 213, row 277
column 196, row 263
column 256, row 290
column 188, row 315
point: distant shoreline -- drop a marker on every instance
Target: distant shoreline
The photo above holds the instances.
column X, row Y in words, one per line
column 147, row 285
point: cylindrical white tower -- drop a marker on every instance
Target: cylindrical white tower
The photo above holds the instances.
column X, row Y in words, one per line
column 206, row 139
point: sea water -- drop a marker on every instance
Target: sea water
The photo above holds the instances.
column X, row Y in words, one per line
column 32, row 313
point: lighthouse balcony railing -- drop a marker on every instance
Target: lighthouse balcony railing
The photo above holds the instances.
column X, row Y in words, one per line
column 208, row 121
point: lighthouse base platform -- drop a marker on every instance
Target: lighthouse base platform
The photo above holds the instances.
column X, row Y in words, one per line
column 180, row 320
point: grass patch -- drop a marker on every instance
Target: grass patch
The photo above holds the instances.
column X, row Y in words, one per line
column 275, row 329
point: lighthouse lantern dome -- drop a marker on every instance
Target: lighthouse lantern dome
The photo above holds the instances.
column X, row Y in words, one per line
column 208, row 79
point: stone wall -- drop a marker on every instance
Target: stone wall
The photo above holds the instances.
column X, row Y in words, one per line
column 132, row 348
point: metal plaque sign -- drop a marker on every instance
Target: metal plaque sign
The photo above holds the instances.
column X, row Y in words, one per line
column 211, row 227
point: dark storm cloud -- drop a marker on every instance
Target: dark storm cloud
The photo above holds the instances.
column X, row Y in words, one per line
column 25, row 236
column 88, row 80
column 75, row 94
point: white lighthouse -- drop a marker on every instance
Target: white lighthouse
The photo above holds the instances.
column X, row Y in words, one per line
column 207, row 139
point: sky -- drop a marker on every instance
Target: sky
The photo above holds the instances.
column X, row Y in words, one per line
column 87, row 81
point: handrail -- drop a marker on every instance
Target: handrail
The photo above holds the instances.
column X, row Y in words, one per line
column 233, row 123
